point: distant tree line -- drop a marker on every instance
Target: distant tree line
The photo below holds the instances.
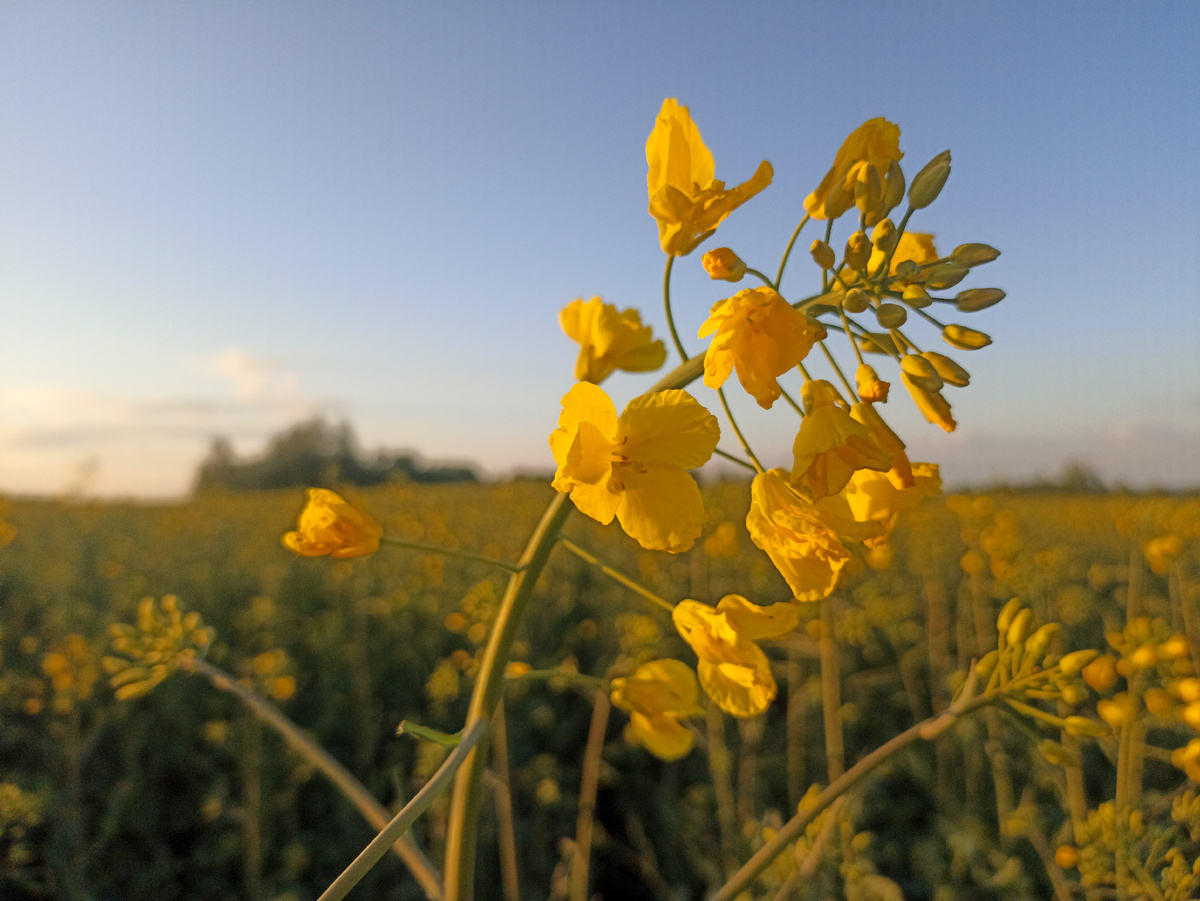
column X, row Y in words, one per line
column 315, row 453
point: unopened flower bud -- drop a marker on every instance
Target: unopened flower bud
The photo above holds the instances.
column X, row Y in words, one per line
column 964, row 338
column 883, row 236
column 1082, row 726
column 917, row 297
column 951, row 372
column 1101, row 673
column 891, row 315
column 1056, row 753
column 927, row 184
column 974, row 254
column 840, row 199
column 823, row 254
column 1073, row 693
column 974, row 299
column 1157, row 701
column 723, row 264
column 1019, row 627
column 1039, row 641
column 987, row 664
column 871, row 389
column 1066, row 856
column 858, row 251
column 868, row 189
column 945, row 275
column 893, row 186
column 856, row 301
column 920, row 372
column 1004, row 620
column 1072, row 663
column 1117, row 712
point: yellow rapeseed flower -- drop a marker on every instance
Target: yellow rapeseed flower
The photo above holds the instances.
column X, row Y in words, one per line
column 635, row 467
column 830, row 445
column 802, row 538
column 722, row 264
column 685, row 197
column 329, row 525
column 733, row 670
column 609, row 340
column 657, row 696
column 759, row 334
column 901, row 471
column 873, row 497
column 874, row 143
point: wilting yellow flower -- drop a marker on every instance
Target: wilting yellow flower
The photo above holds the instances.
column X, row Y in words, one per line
column 329, row 525
column 874, row 143
column 609, row 340
column 933, row 406
column 657, row 696
column 802, row 538
column 873, row 497
column 759, row 334
column 733, row 670
column 635, row 467
column 830, row 445
column 871, row 388
column 722, row 264
column 901, row 472
column 685, row 198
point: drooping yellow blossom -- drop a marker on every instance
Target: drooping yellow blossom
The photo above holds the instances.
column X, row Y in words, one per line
column 802, row 538
column 933, row 406
column 329, row 525
column 609, row 340
column 657, row 696
column 685, row 197
column 759, row 334
column 874, row 143
column 871, row 389
column 733, row 670
column 901, row 472
column 873, row 497
column 830, row 445
column 635, row 467
column 722, row 264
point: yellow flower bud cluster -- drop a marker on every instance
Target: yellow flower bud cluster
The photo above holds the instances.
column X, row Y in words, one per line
column 70, row 669
column 269, row 673
column 1023, row 660
column 1106, row 833
column 161, row 641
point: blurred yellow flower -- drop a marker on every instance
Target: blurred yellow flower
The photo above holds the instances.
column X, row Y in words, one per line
column 1188, row 759
column 723, row 542
column 635, row 467
column 722, row 264
column 830, row 445
column 733, row 670
column 609, row 340
column 657, row 696
column 873, row 497
column 802, row 538
column 759, row 334
column 685, row 198
column 874, row 143
column 329, row 525
column 1161, row 551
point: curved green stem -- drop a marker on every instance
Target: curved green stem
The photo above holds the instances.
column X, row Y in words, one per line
column 462, row 830
column 402, row 821
column 732, row 459
column 581, row 680
column 825, row 272
column 364, row 802
column 448, row 552
column 838, row 369
column 615, row 575
column 738, row 432
column 788, row 252
column 791, row 400
column 667, row 306
column 766, row 281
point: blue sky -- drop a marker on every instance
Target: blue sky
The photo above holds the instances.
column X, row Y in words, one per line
column 223, row 218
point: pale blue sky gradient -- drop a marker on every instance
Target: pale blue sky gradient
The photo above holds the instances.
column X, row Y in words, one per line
column 222, row 218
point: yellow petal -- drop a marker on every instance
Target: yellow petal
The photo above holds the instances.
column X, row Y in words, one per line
column 663, row 736
column 586, row 402
column 660, row 507
column 741, row 691
column 757, row 622
column 668, row 427
column 675, row 152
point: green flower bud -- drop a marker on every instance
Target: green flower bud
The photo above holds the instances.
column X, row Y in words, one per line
column 891, row 315
column 920, row 371
column 823, row 254
column 858, row 250
column 974, row 254
column 856, row 301
column 951, row 372
column 945, row 275
column 927, row 184
column 975, row 299
column 883, row 236
column 916, row 296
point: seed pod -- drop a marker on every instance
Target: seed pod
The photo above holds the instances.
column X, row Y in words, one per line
column 975, row 299
column 951, row 372
column 856, row 301
column 945, row 275
column 920, row 371
column 917, row 297
column 891, row 315
column 927, row 184
column 974, row 254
